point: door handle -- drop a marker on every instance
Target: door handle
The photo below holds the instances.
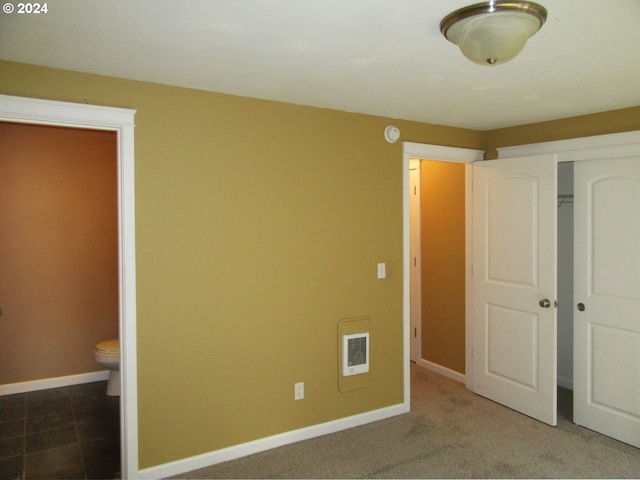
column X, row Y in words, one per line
column 544, row 303
column 581, row 307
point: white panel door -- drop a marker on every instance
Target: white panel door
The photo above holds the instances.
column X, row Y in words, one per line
column 607, row 297
column 514, row 272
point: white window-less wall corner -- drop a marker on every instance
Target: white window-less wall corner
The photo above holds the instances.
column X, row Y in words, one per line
column 47, row 112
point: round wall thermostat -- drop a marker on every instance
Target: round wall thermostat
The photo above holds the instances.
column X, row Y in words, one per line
column 391, row 134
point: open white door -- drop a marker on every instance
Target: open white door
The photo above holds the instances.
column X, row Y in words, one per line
column 607, row 297
column 514, row 284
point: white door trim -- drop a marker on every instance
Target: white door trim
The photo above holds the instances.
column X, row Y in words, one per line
column 415, row 263
column 425, row 151
column 47, row 112
column 586, row 148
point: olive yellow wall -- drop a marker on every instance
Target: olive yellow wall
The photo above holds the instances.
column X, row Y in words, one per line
column 258, row 228
column 442, row 242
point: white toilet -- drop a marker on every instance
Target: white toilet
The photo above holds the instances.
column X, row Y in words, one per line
column 107, row 353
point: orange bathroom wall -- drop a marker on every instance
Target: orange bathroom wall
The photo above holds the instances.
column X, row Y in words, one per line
column 58, row 250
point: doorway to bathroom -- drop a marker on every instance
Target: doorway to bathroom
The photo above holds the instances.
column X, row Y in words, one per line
column 121, row 121
column 59, row 293
column 59, row 252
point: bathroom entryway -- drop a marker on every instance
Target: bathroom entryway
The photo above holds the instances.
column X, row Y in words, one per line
column 59, row 252
column 59, row 292
column 120, row 121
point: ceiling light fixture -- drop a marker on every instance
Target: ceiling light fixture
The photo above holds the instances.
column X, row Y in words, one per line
column 491, row 33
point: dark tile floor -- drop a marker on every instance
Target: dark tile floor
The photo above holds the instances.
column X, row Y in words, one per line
column 62, row 433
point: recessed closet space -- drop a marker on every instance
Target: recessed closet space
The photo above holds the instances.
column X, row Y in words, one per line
column 565, row 275
column 565, row 290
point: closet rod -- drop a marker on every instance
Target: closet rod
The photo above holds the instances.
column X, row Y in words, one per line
column 565, row 198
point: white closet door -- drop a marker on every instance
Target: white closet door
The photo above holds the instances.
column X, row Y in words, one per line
column 607, row 297
column 514, row 283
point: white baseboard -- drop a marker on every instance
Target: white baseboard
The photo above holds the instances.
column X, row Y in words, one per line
column 46, row 383
column 565, row 382
column 444, row 371
column 231, row 453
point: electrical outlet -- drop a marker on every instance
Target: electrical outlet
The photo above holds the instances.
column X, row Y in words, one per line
column 298, row 391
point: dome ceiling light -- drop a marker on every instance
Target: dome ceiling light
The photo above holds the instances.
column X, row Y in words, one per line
column 491, row 33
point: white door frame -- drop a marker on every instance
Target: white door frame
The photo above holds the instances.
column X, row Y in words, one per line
column 415, row 262
column 424, row 151
column 575, row 149
column 47, row 112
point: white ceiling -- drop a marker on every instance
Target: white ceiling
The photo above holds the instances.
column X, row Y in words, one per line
column 381, row 57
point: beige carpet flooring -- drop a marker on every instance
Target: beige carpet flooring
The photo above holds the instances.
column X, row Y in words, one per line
column 449, row 433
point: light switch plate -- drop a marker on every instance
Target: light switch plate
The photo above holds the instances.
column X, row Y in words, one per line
column 382, row 270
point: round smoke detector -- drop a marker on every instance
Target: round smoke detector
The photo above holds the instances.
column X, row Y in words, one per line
column 391, row 134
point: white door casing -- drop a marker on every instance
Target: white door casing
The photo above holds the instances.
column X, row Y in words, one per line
column 514, row 270
column 415, row 263
column 47, row 112
column 607, row 291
